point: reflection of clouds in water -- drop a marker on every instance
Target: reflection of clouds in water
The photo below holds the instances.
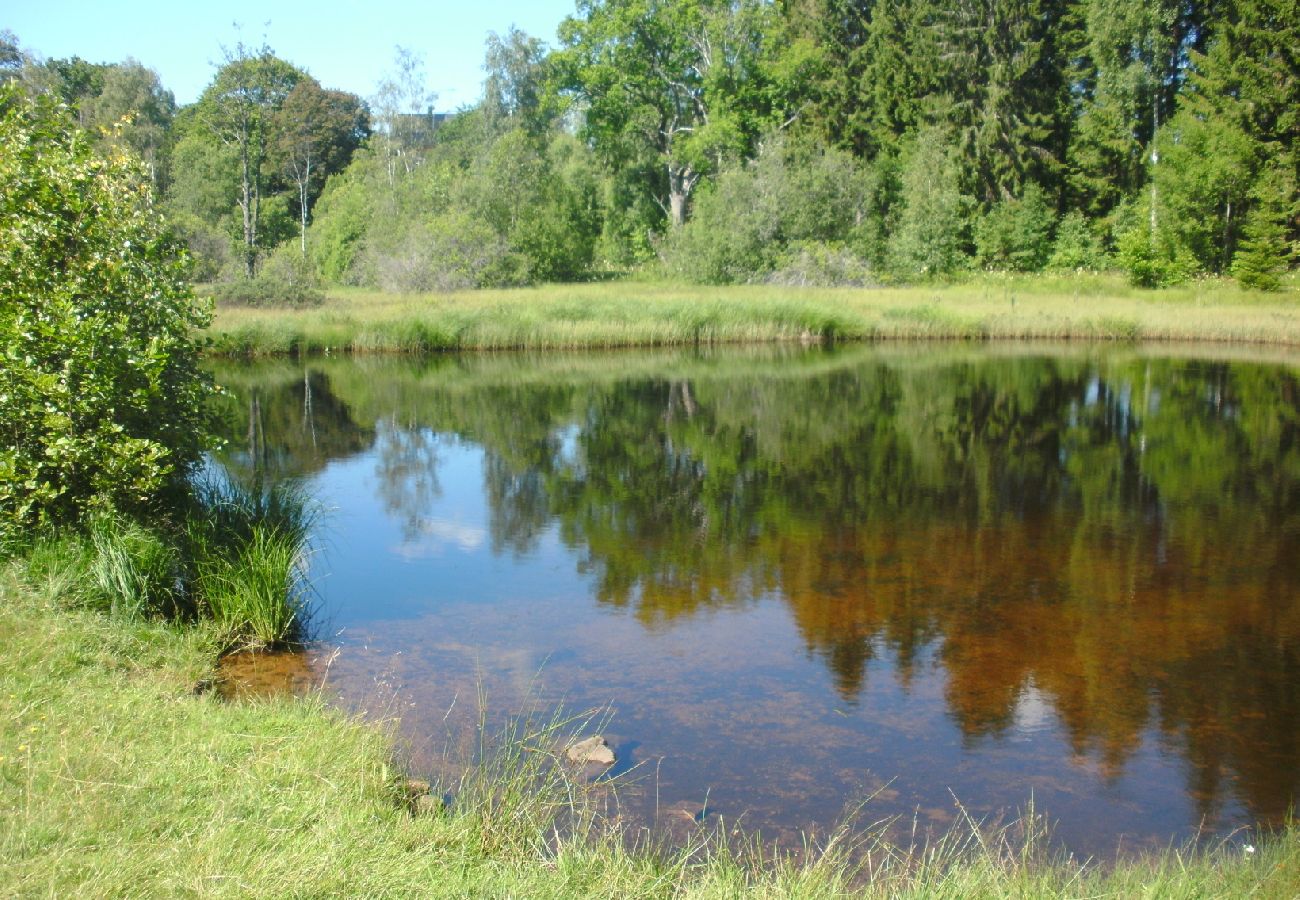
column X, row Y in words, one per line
column 1034, row 712
column 433, row 535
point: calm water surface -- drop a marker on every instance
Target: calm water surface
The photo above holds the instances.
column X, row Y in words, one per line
column 799, row 578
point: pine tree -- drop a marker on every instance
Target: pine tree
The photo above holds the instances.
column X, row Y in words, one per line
column 1249, row 79
column 1265, row 252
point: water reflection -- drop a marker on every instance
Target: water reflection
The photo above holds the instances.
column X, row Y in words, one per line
column 1096, row 551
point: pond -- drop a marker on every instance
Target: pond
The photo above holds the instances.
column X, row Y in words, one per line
column 946, row 578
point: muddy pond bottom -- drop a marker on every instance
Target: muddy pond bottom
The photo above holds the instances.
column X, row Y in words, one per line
column 787, row 584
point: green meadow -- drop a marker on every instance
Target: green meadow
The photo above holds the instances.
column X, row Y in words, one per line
column 636, row 313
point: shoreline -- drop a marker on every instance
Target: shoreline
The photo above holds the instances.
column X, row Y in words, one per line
column 648, row 315
column 119, row 777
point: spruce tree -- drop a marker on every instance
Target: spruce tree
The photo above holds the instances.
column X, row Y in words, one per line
column 1265, row 252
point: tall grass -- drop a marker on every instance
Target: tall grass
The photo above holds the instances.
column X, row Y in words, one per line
column 239, row 558
column 133, row 571
column 623, row 314
column 249, row 544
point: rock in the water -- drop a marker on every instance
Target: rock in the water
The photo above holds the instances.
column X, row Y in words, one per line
column 428, row 805
column 592, row 750
column 416, row 786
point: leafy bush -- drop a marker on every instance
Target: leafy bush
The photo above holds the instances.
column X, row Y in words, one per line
column 1077, row 246
column 932, row 232
column 453, row 252
column 798, row 204
column 101, row 397
column 1016, row 234
column 286, row 279
column 1152, row 260
column 811, row 263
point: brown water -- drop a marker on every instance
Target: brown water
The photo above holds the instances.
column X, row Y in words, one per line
column 799, row 578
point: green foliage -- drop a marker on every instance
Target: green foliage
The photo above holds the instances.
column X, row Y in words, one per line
column 342, row 219
column 286, row 279
column 1152, row 260
column 1202, row 182
column 774, row 213
column 680, row 82
column 1077, row 246
column 1016, row 234
column 1264, row 253
column 824, row 264
column 101, row 398
column 931, row 236
column 483, row 208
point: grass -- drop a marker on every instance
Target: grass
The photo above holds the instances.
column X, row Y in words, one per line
column 238, row 561
column 117, row 778
column 249, row 545
column 636, row 313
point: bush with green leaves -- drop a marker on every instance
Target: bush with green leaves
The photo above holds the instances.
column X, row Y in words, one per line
column 286, row 279
column 931, row 236
column 1077, row 246
column 1016, row 234
column 798, row 207
column 101, row 395
column 1152, row 260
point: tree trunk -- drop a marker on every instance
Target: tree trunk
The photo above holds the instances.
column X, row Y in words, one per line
column 302, row 204
column 247, row 208
column 681, row 179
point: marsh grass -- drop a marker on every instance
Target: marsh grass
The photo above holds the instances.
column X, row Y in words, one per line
column 633, row 313
column 249, row 545
column 239, row 558
column 132, row 571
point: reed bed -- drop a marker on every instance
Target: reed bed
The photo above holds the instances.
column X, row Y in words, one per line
column 630, row 313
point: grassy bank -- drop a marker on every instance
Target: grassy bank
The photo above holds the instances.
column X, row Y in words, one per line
column 621, row 314
column 118, row 778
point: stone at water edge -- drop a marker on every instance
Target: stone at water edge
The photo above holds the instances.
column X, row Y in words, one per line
column 428, row 805
column 592, row 750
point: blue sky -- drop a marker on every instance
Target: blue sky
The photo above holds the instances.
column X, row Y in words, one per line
column 347, row 45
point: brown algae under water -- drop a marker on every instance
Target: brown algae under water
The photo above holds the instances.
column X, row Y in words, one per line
column 953, row 580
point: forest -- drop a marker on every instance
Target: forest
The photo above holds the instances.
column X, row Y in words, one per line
column 809, row 142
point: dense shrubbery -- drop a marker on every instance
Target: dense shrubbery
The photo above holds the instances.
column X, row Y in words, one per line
column 286, row 279
column 484, row 207
column 101, row 398
column 791, row 215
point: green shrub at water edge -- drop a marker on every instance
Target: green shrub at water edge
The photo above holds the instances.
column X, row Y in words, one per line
column 101, row 397
column 249, row 546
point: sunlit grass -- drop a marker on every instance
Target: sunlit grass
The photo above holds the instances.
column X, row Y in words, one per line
column 249, row 544
column 638, row 313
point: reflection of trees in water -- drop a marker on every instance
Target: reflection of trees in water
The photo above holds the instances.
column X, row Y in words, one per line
column 290, row 427
column 520, row 505
column 406, row 469
column 1122, row 539
column 1123, row 542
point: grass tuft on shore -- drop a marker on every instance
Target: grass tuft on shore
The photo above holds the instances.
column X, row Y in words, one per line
column 1082, row 306
column 117, row 778
column 249, row 545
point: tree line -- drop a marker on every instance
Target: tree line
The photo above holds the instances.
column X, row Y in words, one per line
column 796, row 141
